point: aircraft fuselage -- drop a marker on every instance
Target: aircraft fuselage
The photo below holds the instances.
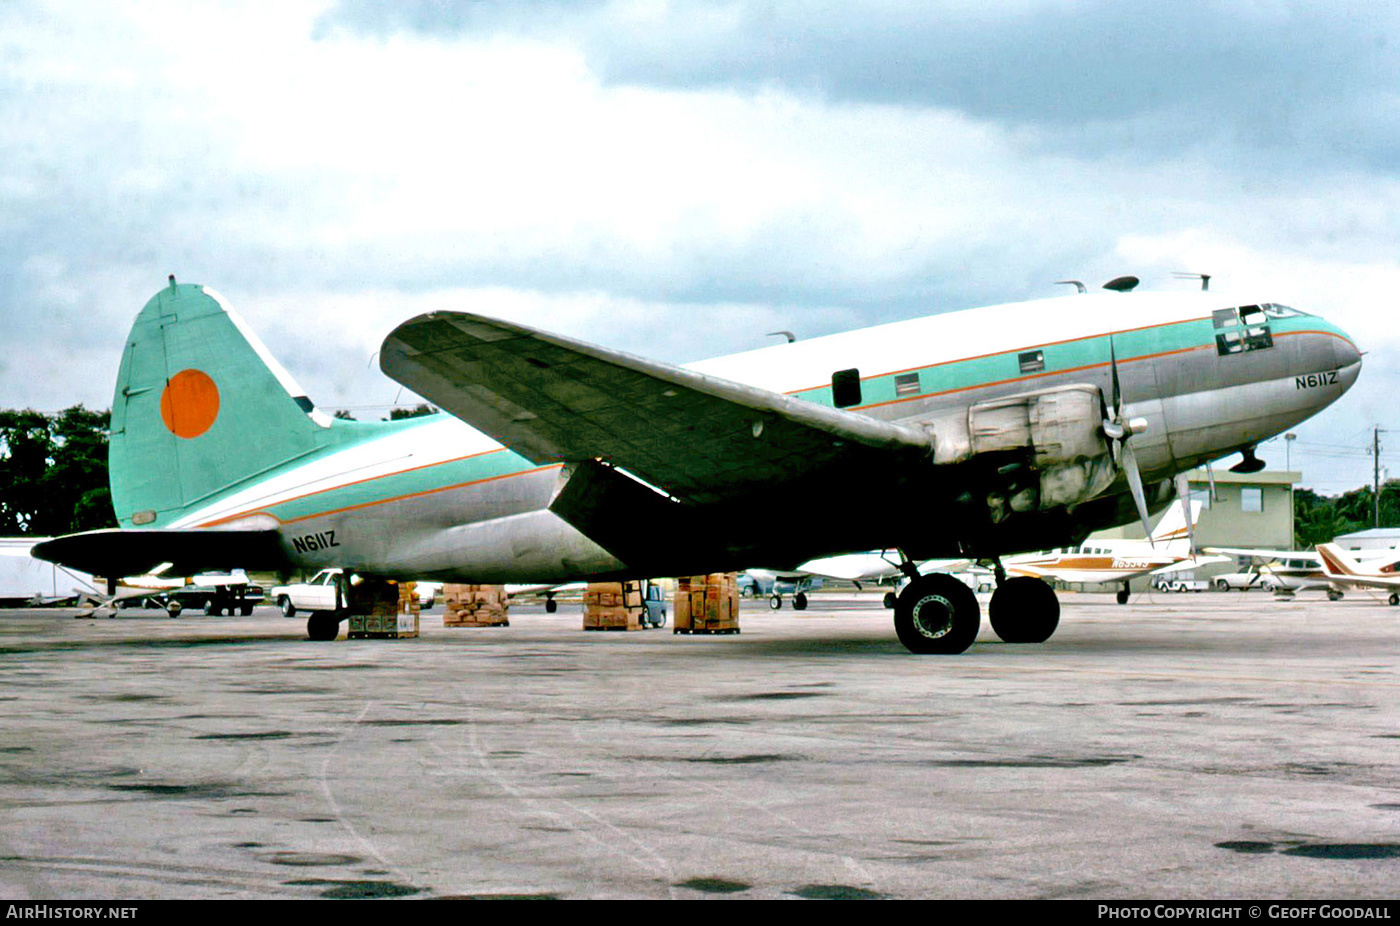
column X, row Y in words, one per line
column 434, row 499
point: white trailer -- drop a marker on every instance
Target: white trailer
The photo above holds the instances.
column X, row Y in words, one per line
column 26, row 580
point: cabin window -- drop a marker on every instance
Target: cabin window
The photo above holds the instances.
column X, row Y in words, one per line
column 907, row 384
column 845, row 388
column 1032, row 361
column 1251, row 499
column 1241, row 330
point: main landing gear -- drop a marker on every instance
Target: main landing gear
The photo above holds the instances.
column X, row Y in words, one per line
column 938, row 613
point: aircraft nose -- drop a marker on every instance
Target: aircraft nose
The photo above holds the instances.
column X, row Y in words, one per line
column 1348, row 359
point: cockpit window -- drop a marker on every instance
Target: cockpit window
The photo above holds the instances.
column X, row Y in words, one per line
column 1274, row 310
column 1242, row 329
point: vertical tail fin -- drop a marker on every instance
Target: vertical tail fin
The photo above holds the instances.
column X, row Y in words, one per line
column 1171, row 535
column 1335, row 562
column 200, row 406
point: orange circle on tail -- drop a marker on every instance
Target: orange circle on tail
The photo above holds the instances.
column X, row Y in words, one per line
column 189, row 404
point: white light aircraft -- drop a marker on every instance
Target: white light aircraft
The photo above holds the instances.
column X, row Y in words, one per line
column 976, row 434
column 1382, row 572
column 1113, row 561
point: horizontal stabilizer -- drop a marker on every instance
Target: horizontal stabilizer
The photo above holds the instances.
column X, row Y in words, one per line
column 115, row 553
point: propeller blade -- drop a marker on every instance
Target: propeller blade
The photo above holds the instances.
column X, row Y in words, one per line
column 1117, row 388
column 1130, row 470
column 1183, row 494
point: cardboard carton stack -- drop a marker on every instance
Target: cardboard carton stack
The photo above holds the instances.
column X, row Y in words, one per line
column 707, row 604
column 475, row 606
column 381, row 608
column 612, row 606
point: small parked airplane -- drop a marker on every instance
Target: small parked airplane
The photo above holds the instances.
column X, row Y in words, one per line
column 1111, row 561
column 1284, row 571
column 1381, row 572
column 978, row 434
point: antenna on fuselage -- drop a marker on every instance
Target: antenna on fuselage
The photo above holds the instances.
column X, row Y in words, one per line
column 786, row 334
column 1203, row 277
column 1075, row 283
column 1122, row 284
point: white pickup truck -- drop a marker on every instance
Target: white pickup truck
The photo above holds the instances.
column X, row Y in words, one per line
column 326, row 592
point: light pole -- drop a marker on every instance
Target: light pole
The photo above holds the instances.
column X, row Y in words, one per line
column 1288, row 440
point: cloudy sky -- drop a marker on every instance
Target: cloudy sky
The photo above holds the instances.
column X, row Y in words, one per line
column 679, row 178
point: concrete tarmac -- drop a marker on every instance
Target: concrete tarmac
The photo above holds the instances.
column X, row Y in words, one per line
column 1183, row 746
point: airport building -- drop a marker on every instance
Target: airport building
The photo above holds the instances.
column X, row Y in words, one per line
column 1253, row 510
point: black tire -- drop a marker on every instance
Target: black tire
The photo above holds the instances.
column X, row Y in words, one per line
column 1122, row 596
column 889, row 600
column 1394, row 599
column 799, row 601
column 246, row 610
column 285, row 603
column 775, row 602
column 174, row 608
column 937, row 614
column 1024, row 609
column 1333, row 595
column 550, row 606
column 211, row 609
column 323, row 626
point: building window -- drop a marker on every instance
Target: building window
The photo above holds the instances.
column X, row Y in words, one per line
column 1251, row 499
column 907, row 384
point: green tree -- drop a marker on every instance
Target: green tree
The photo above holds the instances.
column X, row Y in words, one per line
column 418, row 411
column 53, row 472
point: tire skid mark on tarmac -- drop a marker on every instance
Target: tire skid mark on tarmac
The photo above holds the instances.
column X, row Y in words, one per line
column 731, row 798
column 649, row 859
column 340, row 816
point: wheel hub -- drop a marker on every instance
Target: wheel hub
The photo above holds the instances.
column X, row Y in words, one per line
column 933, row 616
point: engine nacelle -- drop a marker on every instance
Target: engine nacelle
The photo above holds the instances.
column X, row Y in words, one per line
column 1058, row 430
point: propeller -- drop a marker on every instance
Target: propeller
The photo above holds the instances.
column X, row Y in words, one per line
column 1183, row 494
column 1119, row 431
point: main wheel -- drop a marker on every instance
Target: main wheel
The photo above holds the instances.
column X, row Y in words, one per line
column 174, row 608
column 1394, row 599
column 1334, row 594
column 1123, row 596
column 775, row 602
column 550, row 606
column 285, row 603
column 937, row 614
column 1024, row 610
column 799, row 601
column 323, row 625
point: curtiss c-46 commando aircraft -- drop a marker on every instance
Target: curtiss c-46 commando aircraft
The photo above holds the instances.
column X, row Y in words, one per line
column 971, row 434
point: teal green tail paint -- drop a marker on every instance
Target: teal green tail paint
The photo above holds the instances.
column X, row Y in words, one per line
column 200, row 407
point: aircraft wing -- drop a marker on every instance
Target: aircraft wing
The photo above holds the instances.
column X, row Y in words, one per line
column 138, row 552
column 700, row 438
column 1189, row 564
column 1265, row 554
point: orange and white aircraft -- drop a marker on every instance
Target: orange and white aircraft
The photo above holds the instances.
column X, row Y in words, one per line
column 1096, row 561
column 1380, row 572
